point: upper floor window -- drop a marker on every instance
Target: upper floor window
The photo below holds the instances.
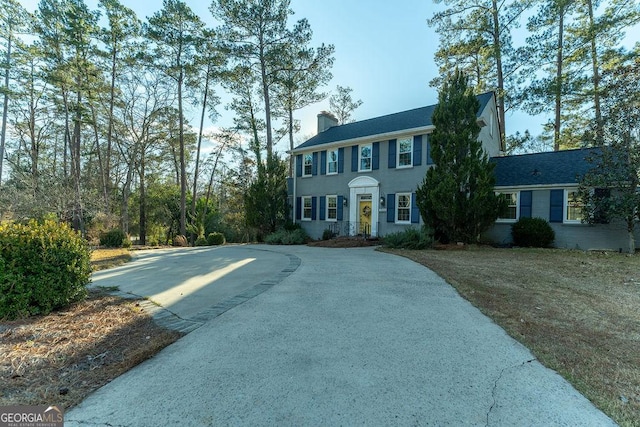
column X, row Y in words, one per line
column 307, row 167
column 405, row 152
column 332, row 161
column 365, row 157
column 403, row 208
column 574, row 206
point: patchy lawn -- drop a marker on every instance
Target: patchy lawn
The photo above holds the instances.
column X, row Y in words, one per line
column 578, row 312
column 102, row 259
column 60, row 358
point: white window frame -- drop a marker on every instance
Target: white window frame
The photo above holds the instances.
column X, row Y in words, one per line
column 517, row 206
column 398, row 152
column 303, row 207
column 566, row 219
column 329, row 161
column 361, row 158
column 335, row 197
column 304, row 164
column 397, row 208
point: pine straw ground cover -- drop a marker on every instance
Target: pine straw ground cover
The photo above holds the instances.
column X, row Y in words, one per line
column 579, row 313
column 60, row 358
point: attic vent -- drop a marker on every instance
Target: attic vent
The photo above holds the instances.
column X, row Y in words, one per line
column 536, row 172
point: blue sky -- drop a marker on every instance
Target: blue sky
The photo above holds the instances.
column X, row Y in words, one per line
column 384, row 51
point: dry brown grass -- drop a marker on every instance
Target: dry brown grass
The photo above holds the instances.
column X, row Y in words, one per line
column 62, row 357
column 579, row 313
column 102, row 259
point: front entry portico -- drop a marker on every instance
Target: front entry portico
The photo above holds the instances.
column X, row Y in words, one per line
column 364, row 193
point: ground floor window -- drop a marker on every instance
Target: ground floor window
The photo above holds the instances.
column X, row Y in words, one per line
column 332, row 208
column 574, row 206
column 306, row 208
column 511, row 210
column 403, row 207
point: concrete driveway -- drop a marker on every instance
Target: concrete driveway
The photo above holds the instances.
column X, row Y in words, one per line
column 353, row 336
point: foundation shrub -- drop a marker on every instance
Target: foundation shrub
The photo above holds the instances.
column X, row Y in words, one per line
column 532, row 232
column 411, row 238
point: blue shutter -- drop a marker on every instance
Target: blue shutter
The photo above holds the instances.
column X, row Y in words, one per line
column 323, row 162
column 299, row 165
column 341, row 160
column 298, row 208
column 339, row 210
column 392, row 153
column 314, row 205
column 415, row 212
column 375, row 157
column 417, row 150
column 323, row 207
column 354, row 158
column 391, row 207
column 525, row 204
column 429, row 159
column 556, row 206
column 314, row 163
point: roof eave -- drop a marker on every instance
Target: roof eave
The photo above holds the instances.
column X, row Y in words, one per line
column 365, row 139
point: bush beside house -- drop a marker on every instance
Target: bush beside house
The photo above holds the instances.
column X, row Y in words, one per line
column 532, row 232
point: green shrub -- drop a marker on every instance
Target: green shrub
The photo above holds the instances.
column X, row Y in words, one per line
column 114, row 239
column 327, row 234
column 287, row 237
column 215, row 238
column 43, row 267
column 201, row 241
column 411, row 238
column 180, row 240
column 532, row 232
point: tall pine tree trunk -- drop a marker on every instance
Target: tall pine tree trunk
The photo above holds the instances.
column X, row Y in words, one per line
column 195, row 172
column 5, row 103
column 596, row 76
column 559, row 82
column 183, row 166
column 497, row 46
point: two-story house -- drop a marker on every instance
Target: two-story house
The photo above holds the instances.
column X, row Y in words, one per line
column 361, row 179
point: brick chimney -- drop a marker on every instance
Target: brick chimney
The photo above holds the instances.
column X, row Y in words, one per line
column 326, row 120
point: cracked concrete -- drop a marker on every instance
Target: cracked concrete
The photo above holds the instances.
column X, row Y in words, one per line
column 352, row 337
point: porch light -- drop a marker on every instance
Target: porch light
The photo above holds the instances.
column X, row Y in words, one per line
column 382, row 201
column 344, row 201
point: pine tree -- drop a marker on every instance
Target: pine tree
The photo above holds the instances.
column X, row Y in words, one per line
column 456, row 198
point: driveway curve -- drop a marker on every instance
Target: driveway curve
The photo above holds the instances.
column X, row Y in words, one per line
column 352, row 337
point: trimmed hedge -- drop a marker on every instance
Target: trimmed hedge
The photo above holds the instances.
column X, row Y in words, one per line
column 532, row 232
column 43, row 267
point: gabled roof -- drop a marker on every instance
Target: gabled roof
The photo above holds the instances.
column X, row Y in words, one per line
column 411, row 119
column 556, row 167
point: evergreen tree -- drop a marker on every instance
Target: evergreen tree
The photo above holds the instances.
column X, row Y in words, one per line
column 456, row 198
column 609, row 190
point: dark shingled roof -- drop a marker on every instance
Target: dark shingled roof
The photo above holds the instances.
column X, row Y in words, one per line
column 419, row 117
column 556, row 167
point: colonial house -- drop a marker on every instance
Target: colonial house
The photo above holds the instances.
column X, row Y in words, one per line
column 361, row 179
